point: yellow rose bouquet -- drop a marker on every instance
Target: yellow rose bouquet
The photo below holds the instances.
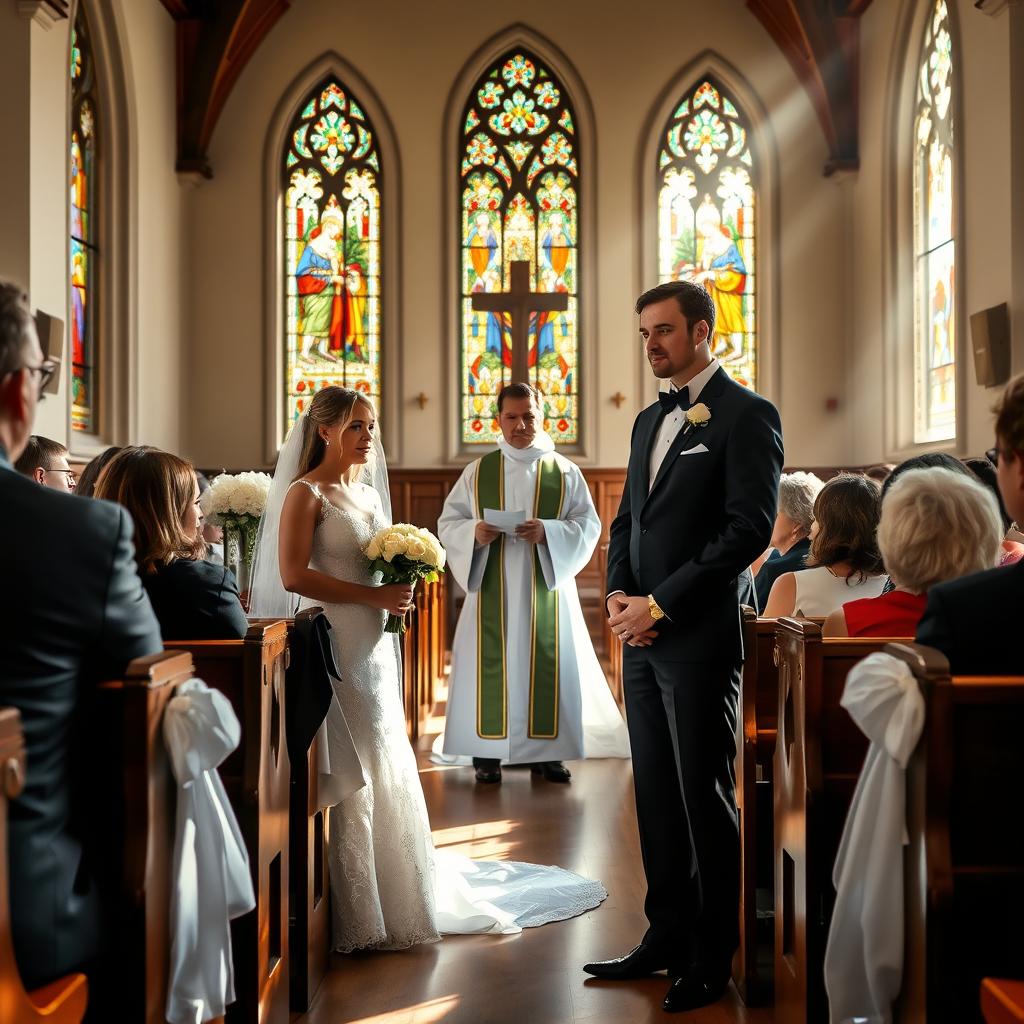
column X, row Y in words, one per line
column 403, row 553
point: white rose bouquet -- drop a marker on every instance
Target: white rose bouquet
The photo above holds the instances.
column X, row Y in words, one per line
column 236, row 502
column 405, row 554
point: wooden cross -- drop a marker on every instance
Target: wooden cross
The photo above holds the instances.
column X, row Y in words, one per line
column 520, row 302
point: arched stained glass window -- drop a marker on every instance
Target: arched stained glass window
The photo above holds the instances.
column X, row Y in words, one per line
column 934, row 236
column 520, row 200
column 84, row 256
column 331, row 176
column 706, row 227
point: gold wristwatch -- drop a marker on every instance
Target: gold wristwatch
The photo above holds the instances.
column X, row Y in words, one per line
column 656, row 612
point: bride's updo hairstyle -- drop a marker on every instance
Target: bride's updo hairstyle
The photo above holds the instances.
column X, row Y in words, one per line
column 158, row 489
column 331, row 407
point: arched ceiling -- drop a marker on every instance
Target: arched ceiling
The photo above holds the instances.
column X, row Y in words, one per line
column 216, row 38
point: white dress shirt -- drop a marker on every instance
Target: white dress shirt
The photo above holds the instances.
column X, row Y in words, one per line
column 673, row 421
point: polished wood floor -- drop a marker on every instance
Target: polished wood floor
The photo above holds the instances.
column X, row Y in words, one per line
column 535, row 977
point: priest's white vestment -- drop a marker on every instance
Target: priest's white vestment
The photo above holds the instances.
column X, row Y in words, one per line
column 570, row 542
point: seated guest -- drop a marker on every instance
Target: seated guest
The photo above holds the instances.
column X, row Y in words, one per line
column 791, row 534
column 192, row 598
column 936, row 525
column 46, row 462
column 1012, row 550
column 87, row 481
column 213, row 535
column 975, row 621
column 879, row 473
column 72, row 613
column 844, row 561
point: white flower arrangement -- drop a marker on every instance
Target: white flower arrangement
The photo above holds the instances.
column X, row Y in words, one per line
column 698, row 415
column 237, row 502
column 404, row 553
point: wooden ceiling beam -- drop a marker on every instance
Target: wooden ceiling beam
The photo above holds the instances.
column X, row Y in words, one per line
column 214, row 43
column 821, row 41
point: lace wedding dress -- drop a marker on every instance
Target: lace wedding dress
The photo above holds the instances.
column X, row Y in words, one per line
column 390, row 888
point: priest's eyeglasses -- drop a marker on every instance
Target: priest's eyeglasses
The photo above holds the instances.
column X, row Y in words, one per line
column 46, row 370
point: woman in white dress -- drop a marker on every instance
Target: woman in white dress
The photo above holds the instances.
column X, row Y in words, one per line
column 844, row 560
column 389, row 888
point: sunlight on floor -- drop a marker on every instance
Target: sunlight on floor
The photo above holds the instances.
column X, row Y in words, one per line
column 480, row 841
column 422, row 1013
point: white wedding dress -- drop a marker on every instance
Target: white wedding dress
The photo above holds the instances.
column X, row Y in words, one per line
column 390, row 888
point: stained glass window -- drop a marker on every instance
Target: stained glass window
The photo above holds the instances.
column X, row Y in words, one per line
column 934, row 231
column 706, row 230
column 84, row 257
column 331, row 176
column 520, row 199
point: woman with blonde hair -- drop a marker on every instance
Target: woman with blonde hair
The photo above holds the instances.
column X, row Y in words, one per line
column 844, row 560
column 390, row 889
column 936, row 525
column 193, row 599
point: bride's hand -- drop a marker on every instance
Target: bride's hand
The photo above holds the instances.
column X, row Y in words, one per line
column 394, row 598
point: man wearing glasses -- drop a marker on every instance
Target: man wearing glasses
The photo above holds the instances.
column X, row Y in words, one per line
column 975, row 621
column 46, row 462
column 72, row 612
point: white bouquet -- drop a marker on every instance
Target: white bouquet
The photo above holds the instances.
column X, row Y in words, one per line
column 405, row 554
column 236, row 502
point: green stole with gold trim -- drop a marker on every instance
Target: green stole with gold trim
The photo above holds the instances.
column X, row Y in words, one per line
column 492, row 657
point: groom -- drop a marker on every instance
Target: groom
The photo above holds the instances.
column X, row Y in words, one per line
column 698, row 508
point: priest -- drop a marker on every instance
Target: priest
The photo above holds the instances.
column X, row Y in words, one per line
column 518, row 526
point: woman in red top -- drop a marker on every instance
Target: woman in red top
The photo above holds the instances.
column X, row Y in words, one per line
column 936, row 525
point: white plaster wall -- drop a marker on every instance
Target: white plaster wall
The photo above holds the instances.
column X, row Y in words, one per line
column 411, row 54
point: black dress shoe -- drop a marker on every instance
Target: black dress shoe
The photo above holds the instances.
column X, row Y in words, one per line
column 553, row 771
column 488, row 769
column 637, row 963
column 693, row 991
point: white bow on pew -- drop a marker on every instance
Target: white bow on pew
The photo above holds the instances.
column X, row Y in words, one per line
column 864, row 958
column 211, row 881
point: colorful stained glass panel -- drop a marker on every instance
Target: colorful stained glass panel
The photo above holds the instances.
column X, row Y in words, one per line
column 332, row 228
column 527, row 210
column 84, row 253
column 935, row 245
column 706, row 218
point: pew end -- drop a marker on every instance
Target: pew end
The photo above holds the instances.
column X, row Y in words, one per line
column 62, row 1001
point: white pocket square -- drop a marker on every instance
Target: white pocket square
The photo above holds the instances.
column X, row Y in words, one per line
column 697, row 449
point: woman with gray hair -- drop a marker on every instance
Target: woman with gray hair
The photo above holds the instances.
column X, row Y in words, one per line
column 791, row 535
column 936, row 525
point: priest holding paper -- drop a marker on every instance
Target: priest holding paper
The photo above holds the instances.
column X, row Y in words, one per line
column 518, row 526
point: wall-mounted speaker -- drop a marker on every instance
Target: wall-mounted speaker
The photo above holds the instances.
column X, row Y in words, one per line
column 51, row 340
column 990, row 339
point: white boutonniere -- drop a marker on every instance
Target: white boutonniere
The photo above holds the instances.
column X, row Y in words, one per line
column 698, row 415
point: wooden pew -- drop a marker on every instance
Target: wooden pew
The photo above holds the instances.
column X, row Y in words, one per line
column 1002, row 1002
column 134, row 811
column 818, row 756
column 423, row 655
column 964, row 867
column 251, row 673
column 62, row 1001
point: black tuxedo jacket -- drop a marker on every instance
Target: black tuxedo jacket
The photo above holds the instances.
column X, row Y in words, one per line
column 196, row 600
column 975, row 621
column 709, row 514
column 72, row 613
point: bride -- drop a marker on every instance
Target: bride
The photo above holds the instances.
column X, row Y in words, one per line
column 390, row 888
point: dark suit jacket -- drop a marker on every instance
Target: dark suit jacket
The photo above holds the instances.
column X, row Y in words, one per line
column 308, row 692
column 776, row 566
column 196, row 601
column 72, row 613
column 707, row 517
column 975, row 621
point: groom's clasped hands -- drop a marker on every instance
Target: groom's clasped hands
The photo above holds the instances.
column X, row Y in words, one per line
column 631, row 621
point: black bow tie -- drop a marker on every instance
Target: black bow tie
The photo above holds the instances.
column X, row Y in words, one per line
column 675, row 399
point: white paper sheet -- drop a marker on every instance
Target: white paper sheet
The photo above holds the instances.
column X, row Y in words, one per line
column 504, row 521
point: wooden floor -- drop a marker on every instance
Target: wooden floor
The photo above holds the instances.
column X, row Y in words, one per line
column 536, row 977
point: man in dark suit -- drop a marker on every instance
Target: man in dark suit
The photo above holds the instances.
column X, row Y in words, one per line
column 975, row 620
column 698, row 508
column 72, row 611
